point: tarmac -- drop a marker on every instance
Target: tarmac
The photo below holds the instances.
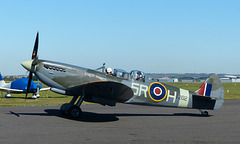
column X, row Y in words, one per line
column 124, row 123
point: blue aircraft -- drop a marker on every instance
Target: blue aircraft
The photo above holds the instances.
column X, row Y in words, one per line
column 20, row 86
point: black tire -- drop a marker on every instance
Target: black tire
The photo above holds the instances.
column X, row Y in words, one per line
column 63, row 112
column 205, row 113
column 75, row 111
column 64, row 109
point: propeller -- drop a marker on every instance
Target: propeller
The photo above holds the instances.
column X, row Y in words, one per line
column 34, row 58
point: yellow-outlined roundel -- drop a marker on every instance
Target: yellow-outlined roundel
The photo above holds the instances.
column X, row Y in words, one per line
column 157, row 91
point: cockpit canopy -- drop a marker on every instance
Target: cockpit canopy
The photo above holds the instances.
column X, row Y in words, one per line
column 137, row 75
column 121, row 73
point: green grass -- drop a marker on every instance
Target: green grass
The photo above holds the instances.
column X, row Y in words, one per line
column 231, row 91
column 46, row 98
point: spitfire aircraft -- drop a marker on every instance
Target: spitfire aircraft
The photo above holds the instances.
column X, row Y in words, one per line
column 20, row 86
column 133, row 87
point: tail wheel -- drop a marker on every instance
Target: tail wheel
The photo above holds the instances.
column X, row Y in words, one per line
column 205, row 113
column 75, row 111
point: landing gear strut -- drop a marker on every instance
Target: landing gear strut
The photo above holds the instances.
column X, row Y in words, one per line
column 204, row 113
column 72, row 109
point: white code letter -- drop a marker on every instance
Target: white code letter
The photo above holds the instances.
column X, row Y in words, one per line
column 143, row 89
column 171, row 96
column 135, row 86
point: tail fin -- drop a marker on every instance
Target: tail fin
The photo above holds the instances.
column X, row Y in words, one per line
column 205, row 89
column 212, row 88
column 2, row 82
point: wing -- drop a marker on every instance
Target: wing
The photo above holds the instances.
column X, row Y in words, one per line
column 11, row 90
column 106, row 93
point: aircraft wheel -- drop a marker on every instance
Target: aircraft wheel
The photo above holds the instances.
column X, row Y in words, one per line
column 37, row 95
column 205, row 113
column 34, row 97
column 65, row 108
column 7, row 95
column 63, row 112
column 75, row 111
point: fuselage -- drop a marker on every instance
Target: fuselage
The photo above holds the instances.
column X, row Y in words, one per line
column 19, row 86
column 62, row 76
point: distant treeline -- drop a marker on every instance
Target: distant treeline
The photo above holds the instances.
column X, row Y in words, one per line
column 182, row 75
column 12, row 78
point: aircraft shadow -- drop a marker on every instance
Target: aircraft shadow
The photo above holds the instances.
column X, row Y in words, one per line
column 86, row 116
column 96, row 117
column 174, row 114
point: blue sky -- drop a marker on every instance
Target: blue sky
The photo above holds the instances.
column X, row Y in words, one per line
column 162, row 36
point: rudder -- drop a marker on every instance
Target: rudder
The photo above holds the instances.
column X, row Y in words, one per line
column 2, row 82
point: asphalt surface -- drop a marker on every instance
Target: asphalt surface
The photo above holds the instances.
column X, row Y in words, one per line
column 121, row 124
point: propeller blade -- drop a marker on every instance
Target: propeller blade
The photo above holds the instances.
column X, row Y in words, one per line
column 29, row 83
column 35, row 49
column 33, row 63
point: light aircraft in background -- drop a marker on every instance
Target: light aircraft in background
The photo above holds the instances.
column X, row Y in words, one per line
column 20, row 86
column 120, row 87
column 232, row 76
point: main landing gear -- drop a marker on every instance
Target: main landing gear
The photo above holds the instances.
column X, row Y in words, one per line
column 204, row 113
column 72, row 109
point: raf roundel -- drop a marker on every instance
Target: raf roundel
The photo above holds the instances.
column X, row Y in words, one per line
column 157, row 91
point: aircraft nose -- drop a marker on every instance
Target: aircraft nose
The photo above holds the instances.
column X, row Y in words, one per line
column 27, row 64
